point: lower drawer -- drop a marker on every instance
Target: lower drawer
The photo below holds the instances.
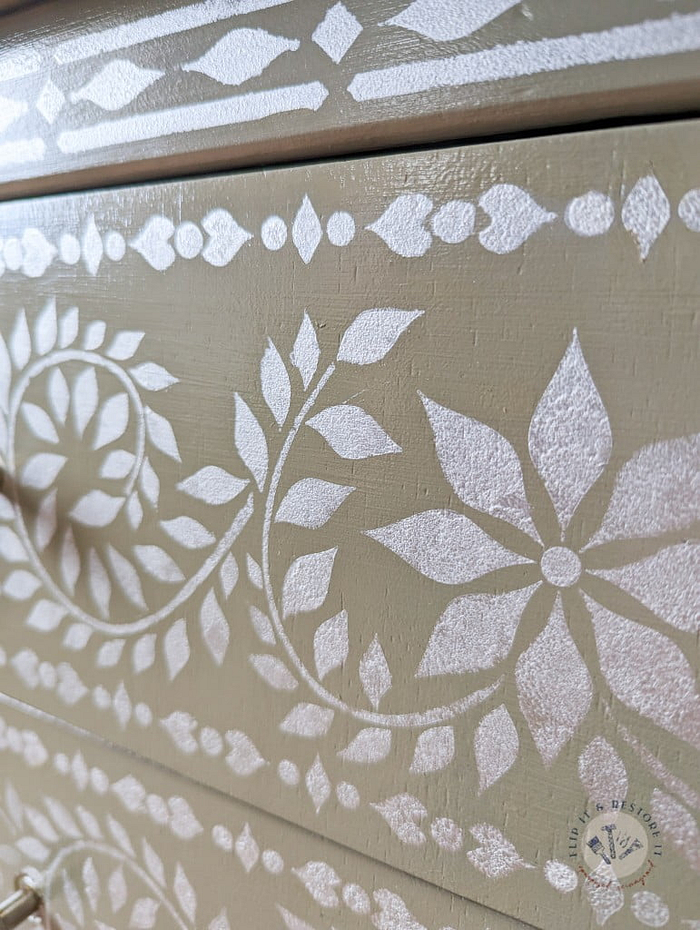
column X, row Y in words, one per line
column 118, row 846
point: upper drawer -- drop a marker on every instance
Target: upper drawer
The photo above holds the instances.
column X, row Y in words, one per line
column 103, row 93
column 368, row 493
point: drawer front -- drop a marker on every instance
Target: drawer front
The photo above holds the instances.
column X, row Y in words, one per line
column 120, row 844
column 114, row 92
column 367, row 494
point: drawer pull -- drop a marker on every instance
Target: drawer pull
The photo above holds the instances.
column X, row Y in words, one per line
column 20, row 905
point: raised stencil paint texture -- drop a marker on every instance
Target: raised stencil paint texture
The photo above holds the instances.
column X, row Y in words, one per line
column 409, row 560
column 207, row 76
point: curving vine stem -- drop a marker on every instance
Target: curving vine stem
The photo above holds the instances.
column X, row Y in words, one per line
column 192, row 583
column 428, row 717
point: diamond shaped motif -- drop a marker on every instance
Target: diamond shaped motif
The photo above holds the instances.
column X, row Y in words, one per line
column 336, row 32
column 306, row 231
column 50, row 101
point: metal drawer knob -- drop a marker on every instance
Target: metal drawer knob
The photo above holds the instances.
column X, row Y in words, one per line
column 25, row 901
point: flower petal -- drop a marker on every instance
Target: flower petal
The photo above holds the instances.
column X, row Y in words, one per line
column 481, row 465
column 570, row 439
column 475, row 632
column 668, row 583
column 445, row 546
column 554, row 686
column 656, row 491
column 647, row 672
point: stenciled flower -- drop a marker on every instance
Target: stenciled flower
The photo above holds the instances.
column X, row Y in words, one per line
column 547, row 582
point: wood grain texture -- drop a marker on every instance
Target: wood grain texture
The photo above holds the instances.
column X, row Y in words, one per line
column 366, row 493
column 105, row 93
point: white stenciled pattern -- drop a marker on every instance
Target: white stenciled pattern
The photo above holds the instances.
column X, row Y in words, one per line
column 570, row 445
column 87, row 385
column 501, row 218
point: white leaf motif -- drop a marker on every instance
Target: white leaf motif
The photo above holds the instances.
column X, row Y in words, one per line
column 215, row 631
column 570, row 438
column 160, row 432
column 645, row 213
column 188, row 532
column 401, row 225
column 435, row 749
column 58, row 395
column 46, row 521
column 127, row 576
column 185, row 893
column 112, row 420
column 374, row 673
column 20, row 585
column 308, row 720
column 404, row 813
column 276, row 388
column 657, row 491
column 144, row 914
column 244, row 758
column 117, row 464
column 11, row 549
column 291, row 921
column 393, row 913
column 226, row 237
column 6, row 374
column 228, row 574
column 96, row 509
column 39, row 422
column 657, row 681
column 149, row 483
column 250, row 441
column 46, row 329
column 68, row 327
column 20, row 342
column 496, row 746
column 331, row 644
column 481, row 466
column 311, row 502
column 307, row 582
column 152, row 377
column 554, row 687
column 602, row 772
column 496, row 856
column 474, row 632
column 124, row 345
column 352, row 433
column 154, row 863
column 240, row 55
column 158, row 564
column 98, row 583
column 177, row 648
column 274, row 672
column 445, row 546
column 514, row 218
column 117, row 84
column 85, row 399
column 604, row 893
column 373, row 744
column 70, row 561
column 306, row 353
column 373, row 334
column 213, row 485
column 40, row 471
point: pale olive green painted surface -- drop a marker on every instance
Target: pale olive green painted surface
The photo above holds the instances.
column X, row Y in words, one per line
column 106, row 92
column 586, row 344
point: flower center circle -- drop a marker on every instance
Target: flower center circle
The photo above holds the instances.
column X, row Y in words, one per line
column 560, row 566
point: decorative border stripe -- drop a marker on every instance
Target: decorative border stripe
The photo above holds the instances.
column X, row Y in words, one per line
column 155, row 27
column 240, row 109
column 675, row 34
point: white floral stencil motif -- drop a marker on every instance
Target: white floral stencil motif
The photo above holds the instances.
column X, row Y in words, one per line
column 564, row 583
